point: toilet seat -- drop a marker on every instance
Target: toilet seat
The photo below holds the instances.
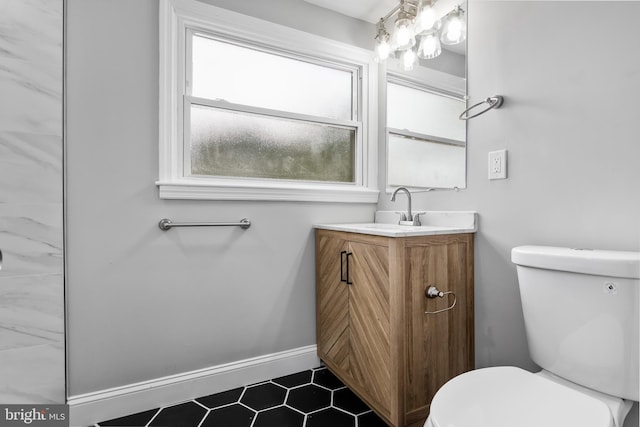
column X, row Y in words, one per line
column 507, row 396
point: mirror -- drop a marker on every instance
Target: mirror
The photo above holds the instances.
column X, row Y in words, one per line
column 425, row 139
column 427, row 148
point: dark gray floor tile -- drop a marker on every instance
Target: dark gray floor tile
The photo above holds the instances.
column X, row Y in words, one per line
column 370, row 419
column 136, row 420
column 230, row 416
column 347, row 400
column 279, row 417
column 221, row 399
column 330, row 417
column 188, row 414
column 295, row 380
column 264, row 396
column 325, row 378
column 309, row 398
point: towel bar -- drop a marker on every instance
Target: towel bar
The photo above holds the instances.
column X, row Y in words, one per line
column 166, row 224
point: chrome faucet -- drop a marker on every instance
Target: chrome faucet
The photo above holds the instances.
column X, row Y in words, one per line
column 408, row 218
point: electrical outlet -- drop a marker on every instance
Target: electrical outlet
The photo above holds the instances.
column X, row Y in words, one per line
column 498, row 164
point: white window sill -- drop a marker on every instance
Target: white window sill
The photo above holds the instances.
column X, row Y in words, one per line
column 196, row 190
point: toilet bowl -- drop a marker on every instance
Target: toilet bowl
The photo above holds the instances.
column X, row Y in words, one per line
column 581, row 319
column 508, row 396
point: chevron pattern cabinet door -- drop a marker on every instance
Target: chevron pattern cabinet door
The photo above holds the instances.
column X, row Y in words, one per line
column 369, row 326
column 332, row 302
column 353, row 320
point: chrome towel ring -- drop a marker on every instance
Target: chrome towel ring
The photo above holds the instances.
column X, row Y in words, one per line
column 493, row 101
column 433, row 292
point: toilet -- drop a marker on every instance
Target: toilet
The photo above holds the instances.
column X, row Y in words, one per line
column 580, row 310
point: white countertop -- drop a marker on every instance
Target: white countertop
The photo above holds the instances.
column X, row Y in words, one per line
column 433, row 223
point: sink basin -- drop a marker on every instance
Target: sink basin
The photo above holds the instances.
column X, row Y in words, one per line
column 432, row 223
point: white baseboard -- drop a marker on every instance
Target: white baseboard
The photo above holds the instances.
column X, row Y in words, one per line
column 90, row 408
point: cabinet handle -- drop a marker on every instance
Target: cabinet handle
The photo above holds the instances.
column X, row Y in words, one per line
column 341, row 268
column 348, row 281
column 433, row 292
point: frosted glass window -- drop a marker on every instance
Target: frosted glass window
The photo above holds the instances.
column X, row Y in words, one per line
column 424, row 112
column 439, row 166
column 242, row 75
column 238, row 144
column 253, row 110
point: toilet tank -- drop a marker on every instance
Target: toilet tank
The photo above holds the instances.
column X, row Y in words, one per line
column 581, row 314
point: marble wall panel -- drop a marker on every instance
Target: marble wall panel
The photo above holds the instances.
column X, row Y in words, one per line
column 32, row 354
column 34, row 95
column 42, row 382
column 31, row 30
column 31, row 239
column 31, row 66
column 31, row 310
column 30, row 168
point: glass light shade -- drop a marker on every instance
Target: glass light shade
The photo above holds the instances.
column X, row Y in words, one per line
column 382, row 50
column 426, row 20
column 408, row 58
column 403, row 35
column 429, row 47
column 454, row 29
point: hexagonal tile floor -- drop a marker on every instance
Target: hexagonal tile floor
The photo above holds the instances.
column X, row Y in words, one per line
column 313, row 398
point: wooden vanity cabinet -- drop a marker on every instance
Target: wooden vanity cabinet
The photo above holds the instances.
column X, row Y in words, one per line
column 372, row 330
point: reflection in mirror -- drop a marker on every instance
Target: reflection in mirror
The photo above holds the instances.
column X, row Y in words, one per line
column 426, row 142
column 442, row 163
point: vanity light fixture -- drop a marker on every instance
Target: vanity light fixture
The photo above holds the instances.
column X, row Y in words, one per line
column 418, row 32
column 454, row 29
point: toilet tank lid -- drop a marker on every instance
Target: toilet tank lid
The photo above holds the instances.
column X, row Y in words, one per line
column 625, row 264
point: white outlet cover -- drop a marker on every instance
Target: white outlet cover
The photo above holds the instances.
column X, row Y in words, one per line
column 497, row 165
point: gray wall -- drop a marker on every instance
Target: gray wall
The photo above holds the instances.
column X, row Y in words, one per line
column 32, row 364
column 570, row 125
column 144, row 303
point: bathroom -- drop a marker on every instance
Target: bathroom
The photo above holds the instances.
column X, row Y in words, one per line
column 149, row 308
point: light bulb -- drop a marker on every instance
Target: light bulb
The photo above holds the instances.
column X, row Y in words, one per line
column 454, row 30
column 408, row 59
column 382, row 50
column 429, row 47
column 382, row 43
column 403, row 36
column 426, row 19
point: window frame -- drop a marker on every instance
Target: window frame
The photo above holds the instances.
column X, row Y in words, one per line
column 179, row 21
